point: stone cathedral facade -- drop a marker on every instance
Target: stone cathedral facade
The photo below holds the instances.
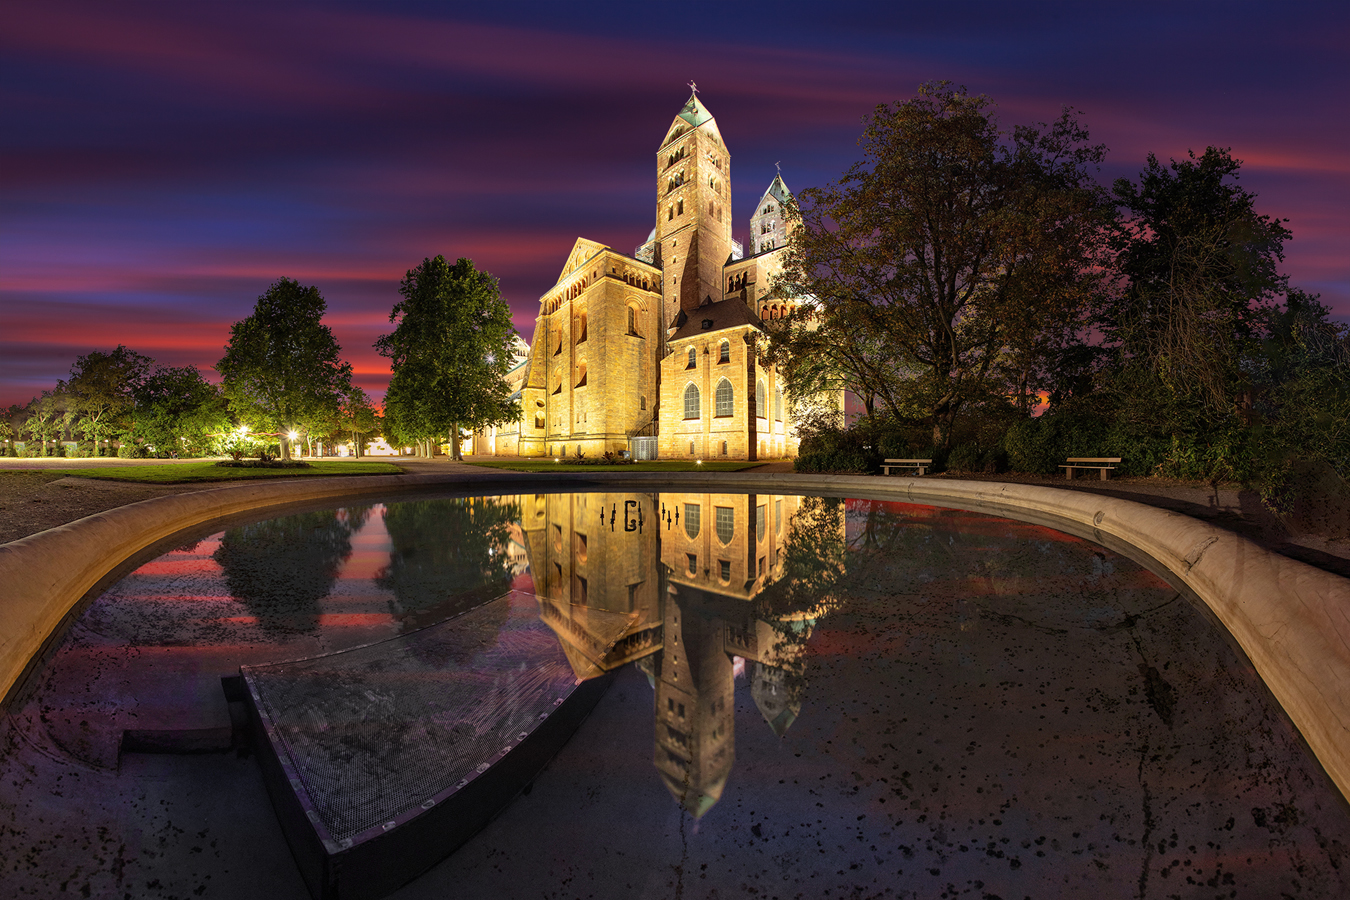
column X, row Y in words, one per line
column 661, row 345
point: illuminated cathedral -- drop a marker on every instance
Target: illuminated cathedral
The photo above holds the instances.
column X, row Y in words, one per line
column 656, row 353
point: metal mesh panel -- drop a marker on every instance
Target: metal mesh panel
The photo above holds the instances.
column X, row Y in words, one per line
column 373, row 735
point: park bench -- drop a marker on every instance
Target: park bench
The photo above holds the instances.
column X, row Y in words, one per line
column 1101, row 463
column 918, row 465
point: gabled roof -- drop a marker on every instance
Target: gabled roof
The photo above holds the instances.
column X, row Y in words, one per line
column 712, row 317
column 582, row 251
column 778, row 191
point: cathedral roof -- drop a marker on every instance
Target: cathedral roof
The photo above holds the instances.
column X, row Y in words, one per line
column 778, row 190
column 712, row 317
column 694, row 112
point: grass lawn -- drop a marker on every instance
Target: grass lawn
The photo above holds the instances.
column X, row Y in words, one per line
column 672, row 465
column 188, row 473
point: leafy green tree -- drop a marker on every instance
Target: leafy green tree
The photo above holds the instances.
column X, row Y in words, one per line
column 46, row 418
column 282, row 367
column 177, row 410
column 450, row 352
column 1203, row 270
column 947, row 263
column 100, row 395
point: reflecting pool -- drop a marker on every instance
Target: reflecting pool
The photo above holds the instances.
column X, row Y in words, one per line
column 812, row 698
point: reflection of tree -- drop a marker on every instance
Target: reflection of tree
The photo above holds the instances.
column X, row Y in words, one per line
column 808, row 587
column 448, row 556
column 812, row 563
column 280, row 569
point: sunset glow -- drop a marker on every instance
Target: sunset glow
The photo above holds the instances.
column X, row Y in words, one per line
column 162, row 165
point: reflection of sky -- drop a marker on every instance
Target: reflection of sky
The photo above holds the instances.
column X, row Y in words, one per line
column 163, row 164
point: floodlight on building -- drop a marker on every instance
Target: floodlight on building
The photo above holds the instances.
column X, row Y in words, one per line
column 698, row 462
column 292, row 435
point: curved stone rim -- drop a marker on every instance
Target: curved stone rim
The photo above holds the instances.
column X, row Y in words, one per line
column 1291, row 619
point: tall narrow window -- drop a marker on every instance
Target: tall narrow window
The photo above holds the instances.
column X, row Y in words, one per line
column 761, row 409
column 692, row 515
column 693, row 358
column 725, row 521
column 725, row 398
column 632, row 321
column 691, row 404
column 724, row 352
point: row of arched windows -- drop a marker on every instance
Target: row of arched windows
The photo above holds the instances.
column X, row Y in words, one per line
column 724, row 521
column 776, row 311
column 724, row 400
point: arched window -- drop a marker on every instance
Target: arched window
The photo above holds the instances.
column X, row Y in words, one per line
column 632, row 321
column 693, row 358
column 725, row 398
column 778, row 404
column 761, row 410
column 692, row 515
column 725, row 521
column 581, row 328
column 581, row 373
column 724, row 353
column 691, row 405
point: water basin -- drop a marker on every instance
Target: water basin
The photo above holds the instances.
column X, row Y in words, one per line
column 811, row 697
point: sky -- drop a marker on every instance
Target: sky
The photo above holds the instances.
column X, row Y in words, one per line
column 161, row 164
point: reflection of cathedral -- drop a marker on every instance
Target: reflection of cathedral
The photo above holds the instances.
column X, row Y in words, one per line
column 662, row 344
column 685, row 619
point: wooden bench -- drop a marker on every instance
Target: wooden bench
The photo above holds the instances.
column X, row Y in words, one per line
column 919, row 465
column 1101, row 463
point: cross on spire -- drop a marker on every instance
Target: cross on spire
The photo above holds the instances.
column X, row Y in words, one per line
column 779, row 167
column 693, row 87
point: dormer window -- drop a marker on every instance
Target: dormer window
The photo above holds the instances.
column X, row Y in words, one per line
column 707, row 323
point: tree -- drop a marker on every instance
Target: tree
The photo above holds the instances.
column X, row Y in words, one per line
column 100, row 395
column 1202, row 268
column 358, row 418
column 946, row 263
column 45, row 417
column 178, row 411
column 450, row 352
column 282, row 366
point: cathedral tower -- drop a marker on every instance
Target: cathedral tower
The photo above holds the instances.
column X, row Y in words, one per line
column 693, row 210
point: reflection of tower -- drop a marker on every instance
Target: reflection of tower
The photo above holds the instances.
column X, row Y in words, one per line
column 590, row 555
column 779, row 677
column 695, row 740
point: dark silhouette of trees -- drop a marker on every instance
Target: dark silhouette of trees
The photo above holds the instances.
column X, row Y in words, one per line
column 945, row 265
column 448, row 556
column 281, row 568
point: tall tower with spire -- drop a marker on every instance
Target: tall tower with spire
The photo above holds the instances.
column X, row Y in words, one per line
column 693, row 210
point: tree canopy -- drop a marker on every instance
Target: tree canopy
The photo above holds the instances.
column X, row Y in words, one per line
column 1201, row 268
column 450, row 352
column 282, row 367
column 101, row 393
column 947, row 264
